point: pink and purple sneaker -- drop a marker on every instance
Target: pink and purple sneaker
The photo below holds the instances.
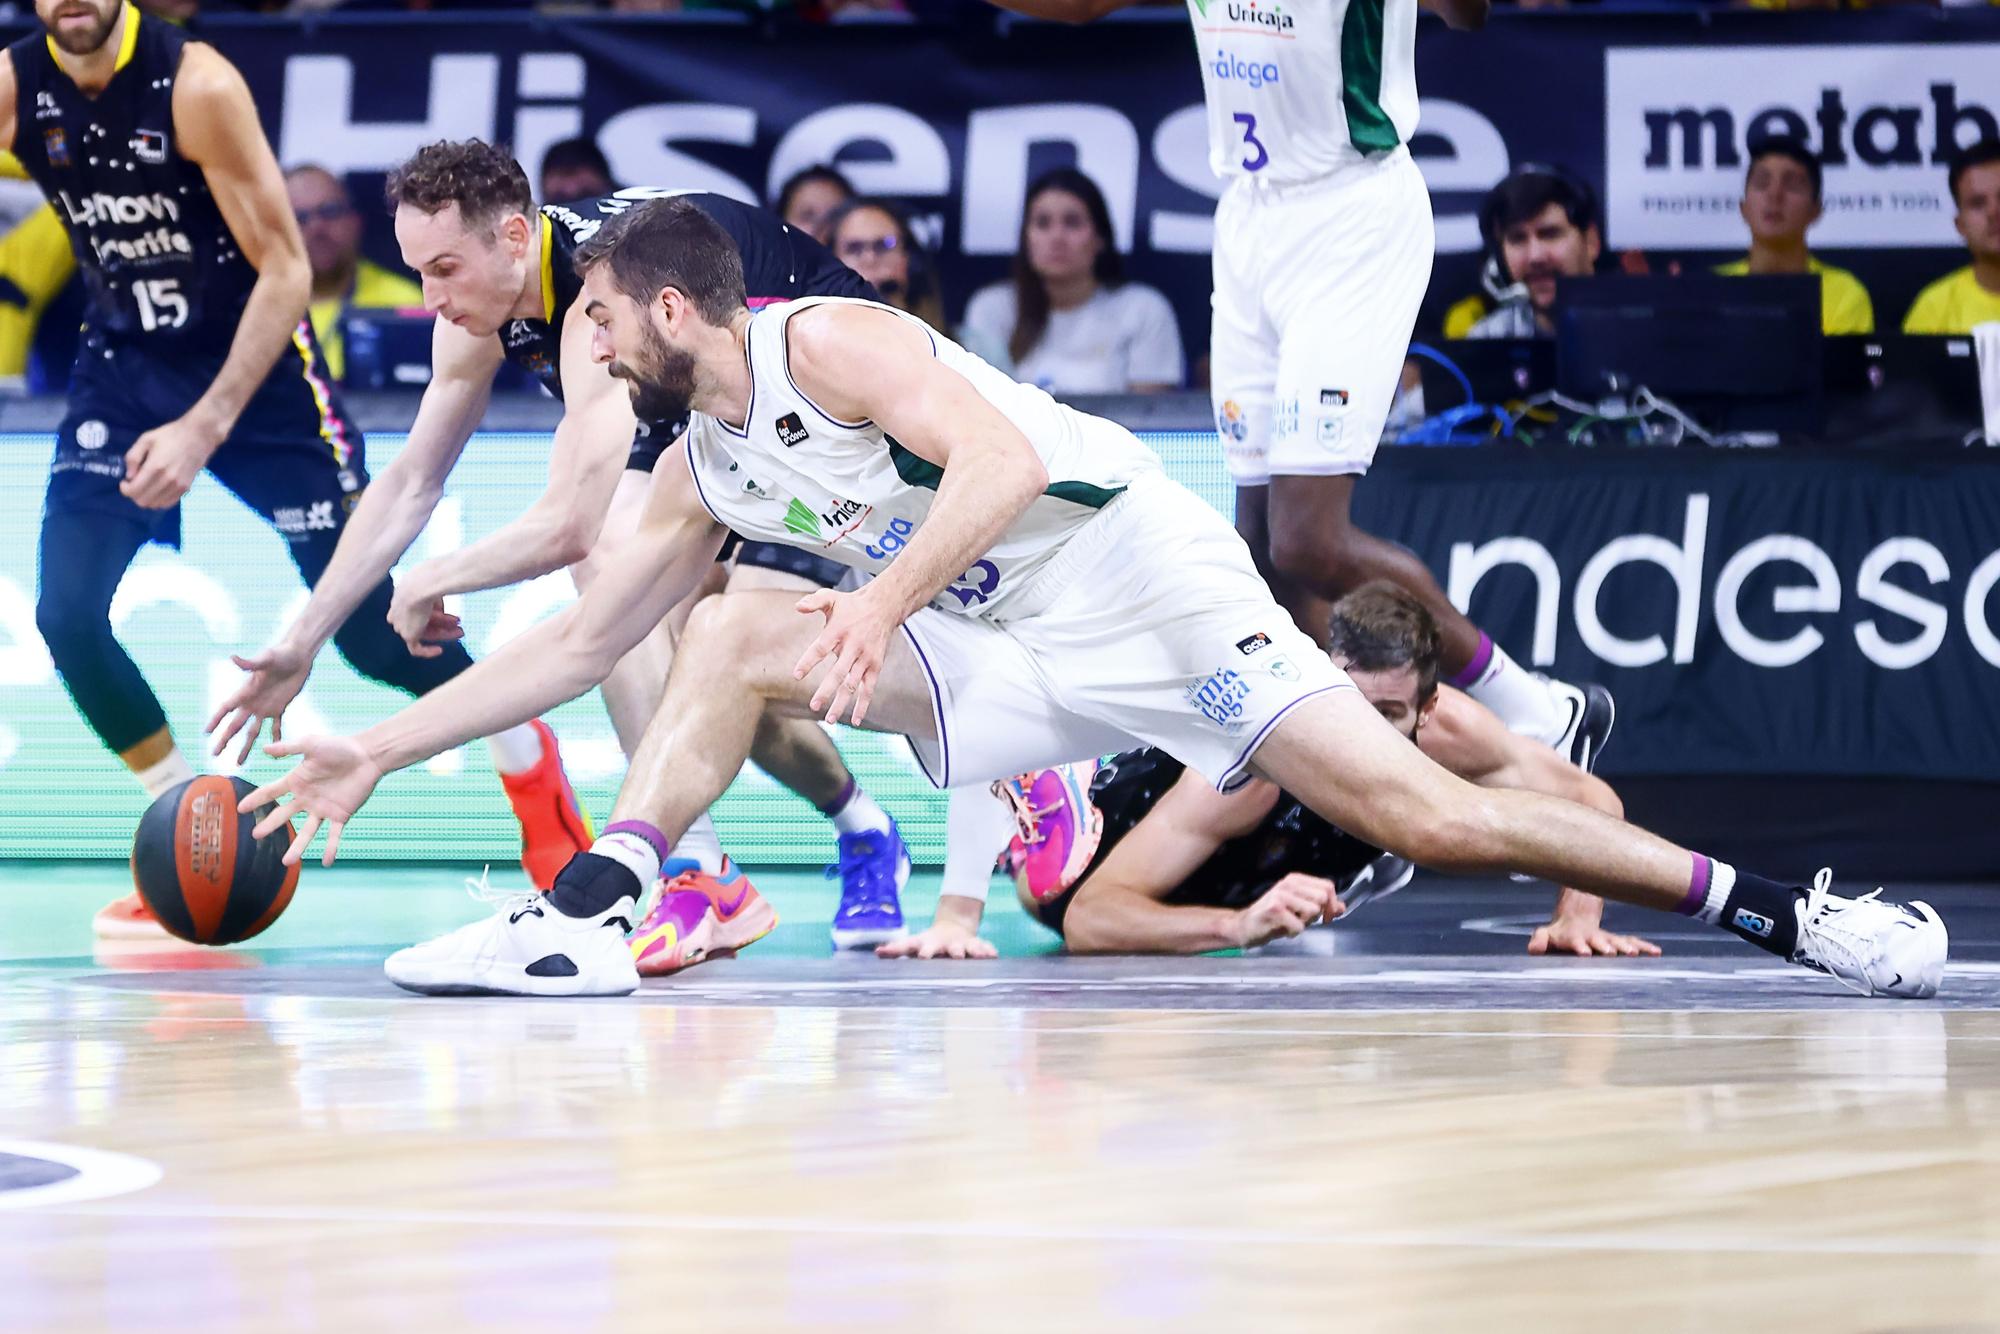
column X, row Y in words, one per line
column 1057, row 829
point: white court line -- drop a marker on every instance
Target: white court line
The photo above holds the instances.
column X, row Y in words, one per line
column 99, row 1174
column 1694, row 1241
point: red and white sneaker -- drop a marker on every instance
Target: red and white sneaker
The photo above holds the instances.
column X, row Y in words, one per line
column 554, row 825
column 128, row 919
column 695, row 915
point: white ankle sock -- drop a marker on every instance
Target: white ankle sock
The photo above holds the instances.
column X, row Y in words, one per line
column 701, row 844
column 168, row 773
column 634, row 851
column 516, row 750
column 858, row 814
column 1522, row 700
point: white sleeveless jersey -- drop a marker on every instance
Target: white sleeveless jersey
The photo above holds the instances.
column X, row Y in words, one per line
column 848, row 491
column 1298, row 89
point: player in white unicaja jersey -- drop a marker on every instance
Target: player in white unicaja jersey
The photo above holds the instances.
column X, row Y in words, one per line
column 1323, row 245
column 1052, row 595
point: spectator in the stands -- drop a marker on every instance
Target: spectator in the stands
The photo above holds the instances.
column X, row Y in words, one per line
column 1540, row 224
column 1971, row 295
column 808, row 200
column 35, row 263
column 574, row 169
column 1781, row 200
column 873, row 237
column 1068, row 319
column 342, row 280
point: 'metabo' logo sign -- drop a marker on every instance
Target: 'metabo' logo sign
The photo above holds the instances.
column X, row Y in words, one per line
column 1885, row 120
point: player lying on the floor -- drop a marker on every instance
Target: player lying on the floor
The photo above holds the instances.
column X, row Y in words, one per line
column 1056, row 594
column 1146, row 858
column 496, row 272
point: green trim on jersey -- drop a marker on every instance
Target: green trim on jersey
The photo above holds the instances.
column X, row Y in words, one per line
column 1368, row 125
column 924, row 473
column 1083, row 493
column 915, row 471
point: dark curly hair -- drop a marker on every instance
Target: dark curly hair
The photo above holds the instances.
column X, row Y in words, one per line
column 483, row 179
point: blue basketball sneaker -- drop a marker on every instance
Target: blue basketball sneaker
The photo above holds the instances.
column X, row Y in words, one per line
column 874, row 866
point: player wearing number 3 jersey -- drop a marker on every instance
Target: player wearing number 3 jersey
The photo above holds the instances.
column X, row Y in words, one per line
column 1323, row 246
column 195, row 354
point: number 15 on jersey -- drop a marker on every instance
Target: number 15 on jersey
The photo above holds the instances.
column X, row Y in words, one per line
column 161, row 305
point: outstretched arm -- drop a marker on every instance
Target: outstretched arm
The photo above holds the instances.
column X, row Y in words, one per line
column 592, row 443
column 557, row 660
column 398, row 503
column 1119, row 907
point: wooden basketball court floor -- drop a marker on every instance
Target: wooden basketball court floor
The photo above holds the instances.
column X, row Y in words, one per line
column 1408, row 1126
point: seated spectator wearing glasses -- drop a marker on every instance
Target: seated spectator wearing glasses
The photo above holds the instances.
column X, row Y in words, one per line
column 1540, row 224
column 808, row 200
column 873, row 237
column 341, row 279
column 1957, row 301
column 574, row 169
column 1067, row 318
column 1781, row 200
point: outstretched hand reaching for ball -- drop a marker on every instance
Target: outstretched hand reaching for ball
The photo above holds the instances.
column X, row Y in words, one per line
column 332, row 780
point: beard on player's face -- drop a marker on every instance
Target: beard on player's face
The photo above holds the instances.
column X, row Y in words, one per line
column 79, row 27
column 660, row 377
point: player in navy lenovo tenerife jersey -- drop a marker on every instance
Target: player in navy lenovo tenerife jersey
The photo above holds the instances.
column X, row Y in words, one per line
column 195, row 353
column 497, row 272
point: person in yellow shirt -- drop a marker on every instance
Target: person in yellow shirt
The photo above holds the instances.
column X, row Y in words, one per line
column 1781, row 201
column 341, row 279
column 35, row 265
column 1957, row 301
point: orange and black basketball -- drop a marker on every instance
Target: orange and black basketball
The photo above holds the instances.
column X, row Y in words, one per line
column 200, row 871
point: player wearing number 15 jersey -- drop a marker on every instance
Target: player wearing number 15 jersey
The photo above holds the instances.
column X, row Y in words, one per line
column 195, row 354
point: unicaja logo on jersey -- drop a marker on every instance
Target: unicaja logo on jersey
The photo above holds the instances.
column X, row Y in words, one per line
column 1274, row 18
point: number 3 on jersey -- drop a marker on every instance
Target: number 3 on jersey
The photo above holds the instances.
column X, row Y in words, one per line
column 1255, row 157
column 161, row 305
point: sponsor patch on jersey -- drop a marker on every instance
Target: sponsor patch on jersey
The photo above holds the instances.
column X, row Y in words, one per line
column 1283, row 668
column 92, row 435
column 1255, row 643
column 150, row 146
column 1230, row 422
column 791, row 431
column 1330, row 430
column 46, row 108
column 1333, row 398
column 55, row 144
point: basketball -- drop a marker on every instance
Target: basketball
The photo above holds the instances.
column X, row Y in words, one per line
column 200, row 871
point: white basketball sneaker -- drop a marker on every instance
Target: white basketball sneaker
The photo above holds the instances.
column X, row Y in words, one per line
column 1875, row 947
column 527, row 948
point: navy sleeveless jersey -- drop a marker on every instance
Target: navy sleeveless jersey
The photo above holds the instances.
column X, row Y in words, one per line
column 1290, row 838
column 159, row 262
column 779, row 264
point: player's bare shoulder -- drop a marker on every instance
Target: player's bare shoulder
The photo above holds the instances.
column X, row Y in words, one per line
column 842, row 352
column 212, row 102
